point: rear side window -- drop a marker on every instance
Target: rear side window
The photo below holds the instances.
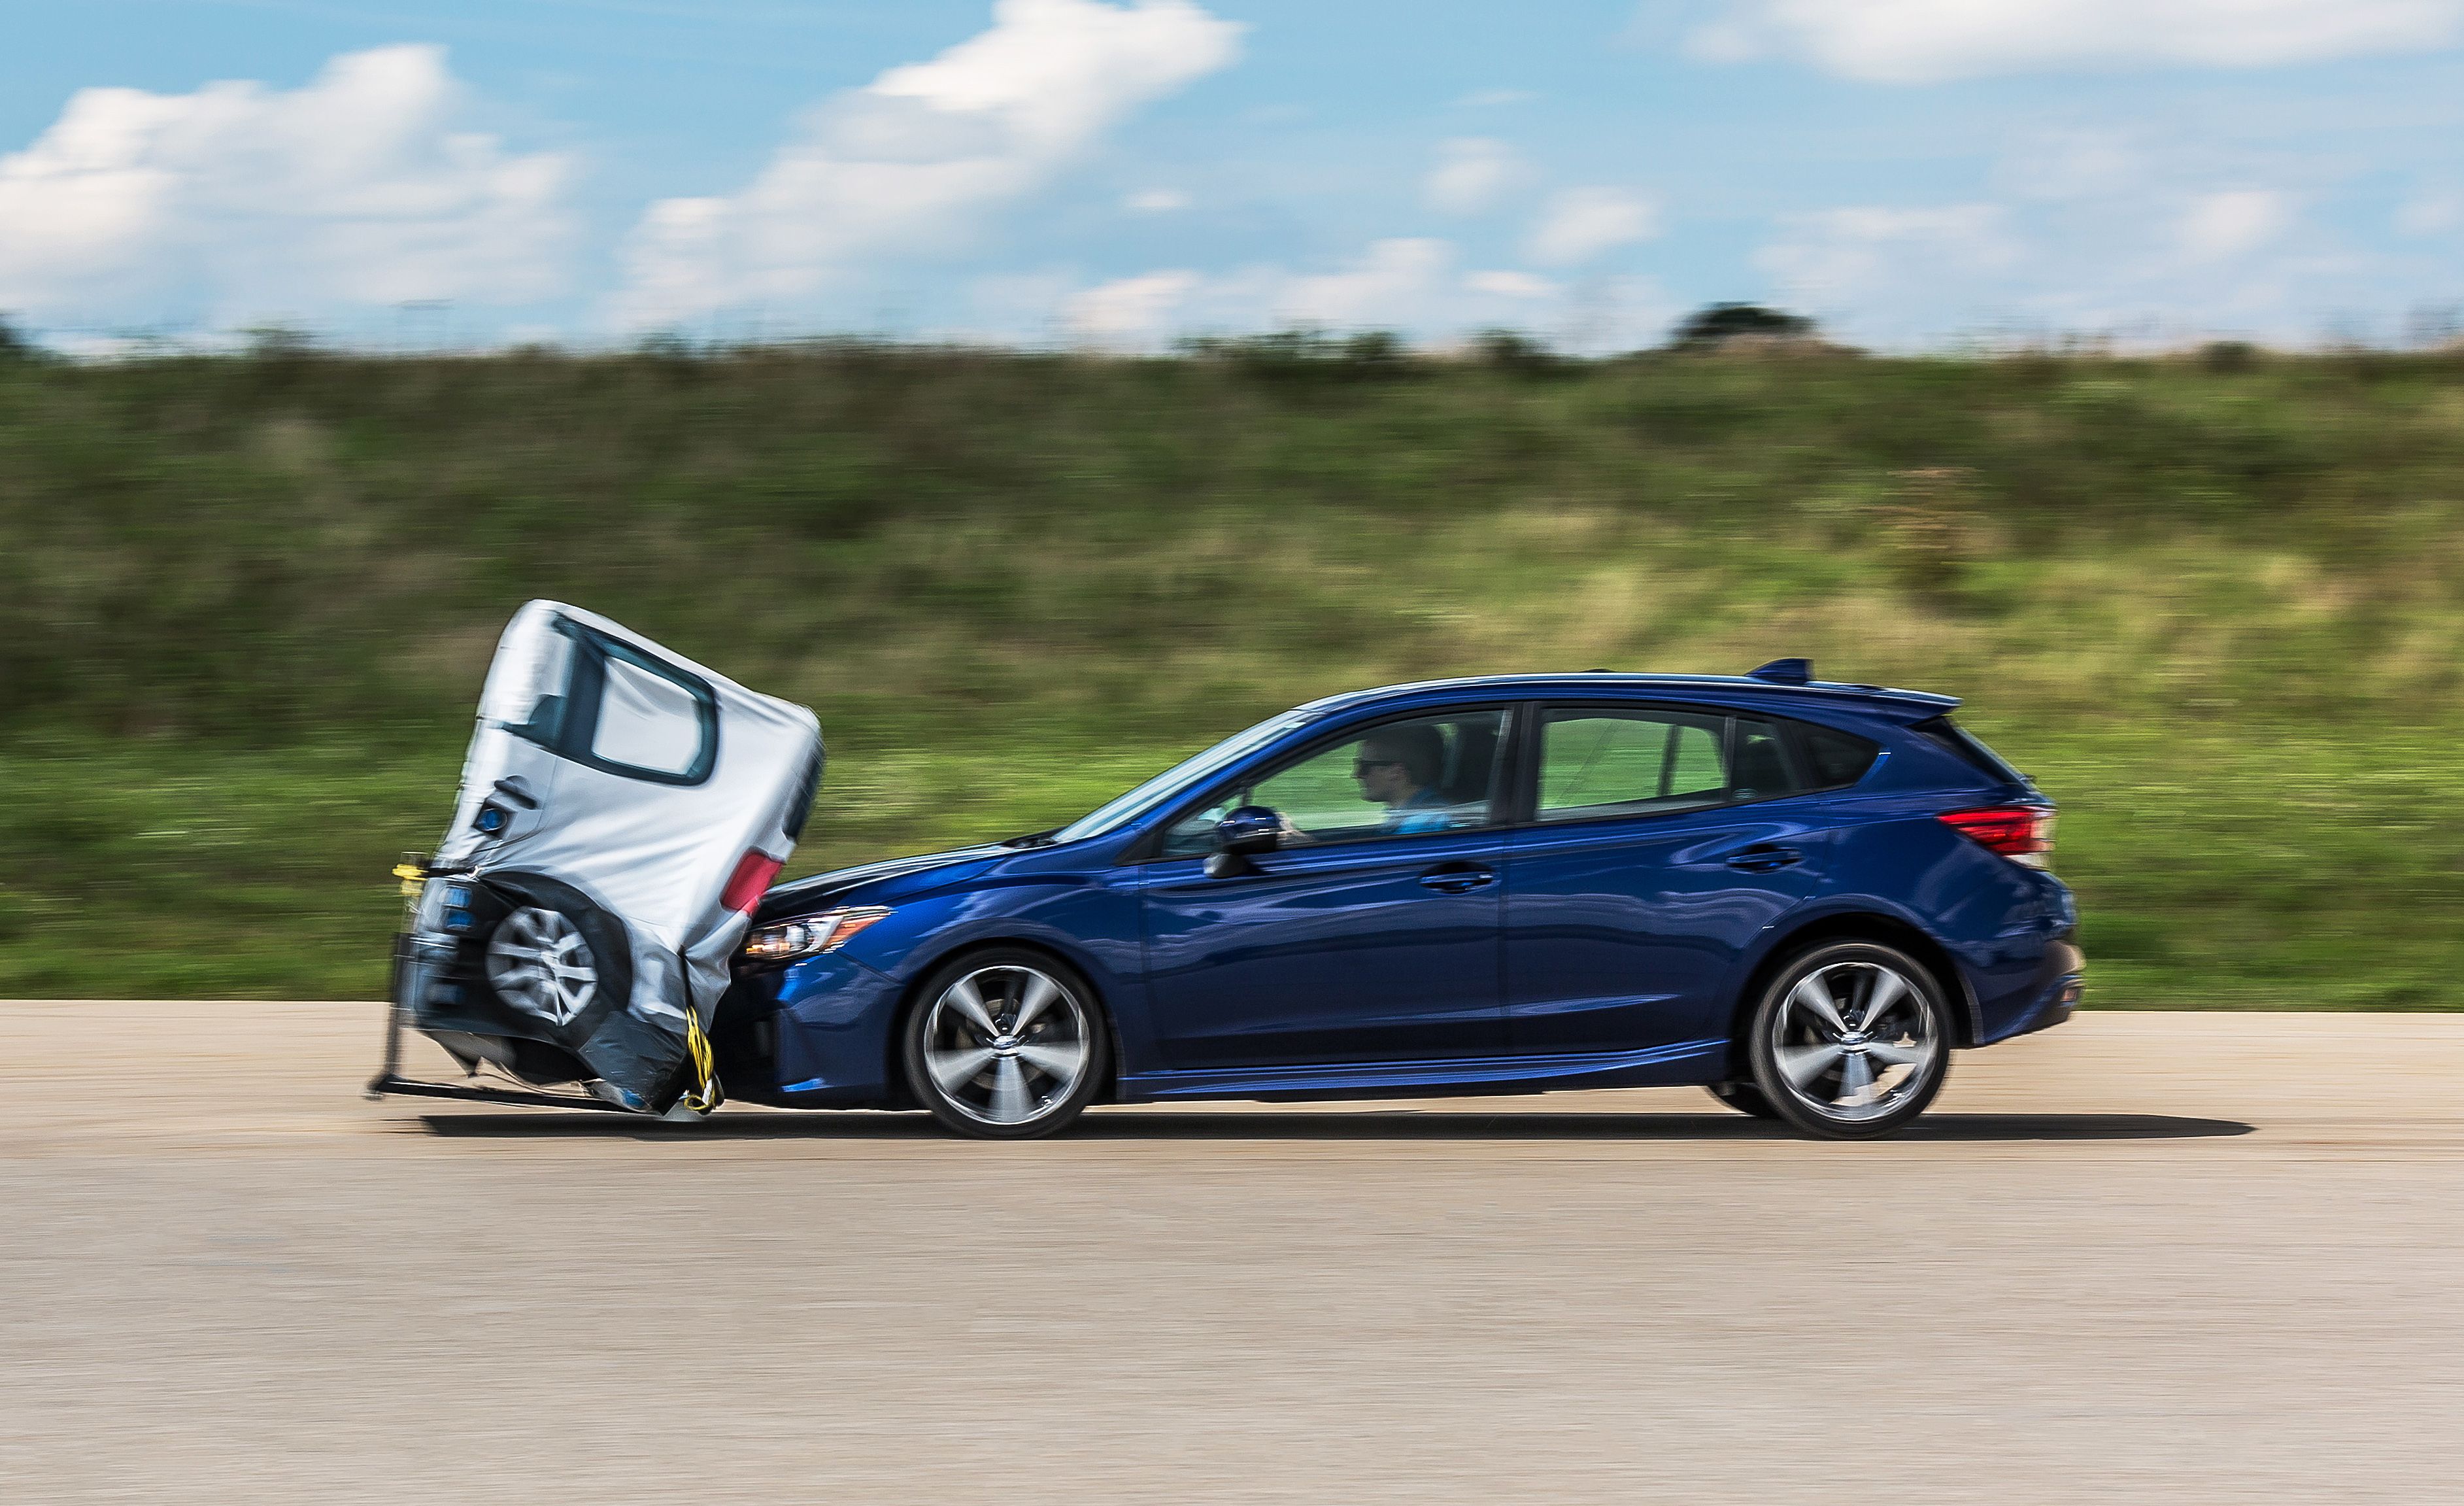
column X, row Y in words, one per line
column 1836, row 759
column 1599, row 763
column 1599, row 760
column 1966, row 747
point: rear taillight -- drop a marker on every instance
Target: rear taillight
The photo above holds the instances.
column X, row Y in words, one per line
column 752, row 878
column 2021, row 833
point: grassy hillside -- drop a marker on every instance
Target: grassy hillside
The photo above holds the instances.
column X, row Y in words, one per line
column 2216, row 609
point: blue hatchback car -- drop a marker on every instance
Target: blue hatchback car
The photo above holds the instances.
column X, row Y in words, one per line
column 1797, row 895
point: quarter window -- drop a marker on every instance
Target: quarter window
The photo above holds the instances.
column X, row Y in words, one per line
column 1840, row 759
column 1761, row 769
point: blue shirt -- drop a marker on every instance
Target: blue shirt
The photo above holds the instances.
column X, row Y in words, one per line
column 1424, row 812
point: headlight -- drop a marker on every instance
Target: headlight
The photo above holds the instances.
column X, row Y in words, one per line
column 826, row 932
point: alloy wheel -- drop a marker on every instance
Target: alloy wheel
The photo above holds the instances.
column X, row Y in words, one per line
column 538, row 961
column 1855, row 1041
column 1007, row 1044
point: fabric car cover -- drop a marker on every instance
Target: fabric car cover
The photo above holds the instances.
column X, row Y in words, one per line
column 620, row 812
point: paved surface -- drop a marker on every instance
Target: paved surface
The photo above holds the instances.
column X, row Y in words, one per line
column 2139, row 1258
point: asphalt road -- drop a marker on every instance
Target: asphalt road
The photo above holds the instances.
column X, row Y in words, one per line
column 2143, row 1258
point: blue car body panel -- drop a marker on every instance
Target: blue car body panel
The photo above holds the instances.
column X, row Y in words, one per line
column 1337, row 954
column 1517, row 957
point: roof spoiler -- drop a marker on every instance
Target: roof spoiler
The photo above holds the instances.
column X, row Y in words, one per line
column 1898, row 705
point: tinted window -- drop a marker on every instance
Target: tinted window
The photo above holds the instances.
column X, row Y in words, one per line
column 1840, row 759
column 1600, row 763
column 1406, row 778
column 1761, row 769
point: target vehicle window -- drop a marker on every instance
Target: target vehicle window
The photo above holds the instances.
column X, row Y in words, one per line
column 1410, row 778
column 646, row 721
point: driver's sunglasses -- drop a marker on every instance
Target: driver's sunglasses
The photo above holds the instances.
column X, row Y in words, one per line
column 1362, row 766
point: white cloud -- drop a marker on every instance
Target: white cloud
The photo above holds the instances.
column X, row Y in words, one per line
column 2233, row 222
column 1156, row 201
column 916, row 159
column 2142, row 238
column 1391, row 285
column 2429, row 214
column 1134, row 312
column 1925, row 41
column 1491, row 98
column 1470, row 175
column 1580, row 224
column 1410, row 285
column 249, row 202
column 1512, row 284
column 1866, row 253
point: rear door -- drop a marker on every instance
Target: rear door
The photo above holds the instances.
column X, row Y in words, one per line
column 1662, row 841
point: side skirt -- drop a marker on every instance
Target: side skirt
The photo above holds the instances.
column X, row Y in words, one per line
column 1685, row 1063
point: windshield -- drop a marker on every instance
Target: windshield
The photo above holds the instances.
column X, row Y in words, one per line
column 1111, row 815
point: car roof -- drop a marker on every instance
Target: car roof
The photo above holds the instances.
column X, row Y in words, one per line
column 1875, row 700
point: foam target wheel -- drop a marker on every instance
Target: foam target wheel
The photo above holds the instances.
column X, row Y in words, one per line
column 1006, row 1044
column 555, row 957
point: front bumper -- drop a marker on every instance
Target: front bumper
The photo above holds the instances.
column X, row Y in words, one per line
column 813, row 1034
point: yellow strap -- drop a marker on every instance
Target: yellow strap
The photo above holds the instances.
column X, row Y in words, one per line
column 707, row 1095
column 412, row 876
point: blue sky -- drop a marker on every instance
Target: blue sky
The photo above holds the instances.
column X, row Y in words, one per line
column 1913, row 171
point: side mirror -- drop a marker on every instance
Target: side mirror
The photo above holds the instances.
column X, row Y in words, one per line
column 1241, row 835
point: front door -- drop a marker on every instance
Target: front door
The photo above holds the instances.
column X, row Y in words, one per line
column 1372, row 936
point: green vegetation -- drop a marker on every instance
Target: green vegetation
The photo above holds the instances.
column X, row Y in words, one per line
column 2214, row 606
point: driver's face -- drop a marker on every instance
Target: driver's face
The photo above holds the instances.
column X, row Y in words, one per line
column 1382, row 780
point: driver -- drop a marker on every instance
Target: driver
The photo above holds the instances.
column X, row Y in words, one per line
column 1396, row 767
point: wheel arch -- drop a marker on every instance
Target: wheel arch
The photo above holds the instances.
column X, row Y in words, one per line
column 1858, row 925
column 911, row 998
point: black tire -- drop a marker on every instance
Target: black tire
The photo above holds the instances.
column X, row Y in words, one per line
column 1743, row 1098
column 1850, row 1056
column 1005, row 1082
column 545, row 1038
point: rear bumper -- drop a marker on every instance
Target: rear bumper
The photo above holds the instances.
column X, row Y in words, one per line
column 2057, row 1007
column 2048, row 1000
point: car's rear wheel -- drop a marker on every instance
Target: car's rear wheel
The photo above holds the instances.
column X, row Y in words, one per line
column 1743, row 1098
column 1851, row 1040
column 1005, row 1045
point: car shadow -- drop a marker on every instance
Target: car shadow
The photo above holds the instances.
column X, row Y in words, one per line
column 1371, row 1125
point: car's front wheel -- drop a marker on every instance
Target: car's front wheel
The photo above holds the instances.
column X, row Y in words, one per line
column 1006, row 1044
column 1851, row 1040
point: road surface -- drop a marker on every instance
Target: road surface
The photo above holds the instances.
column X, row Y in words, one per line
column 2143, row 1258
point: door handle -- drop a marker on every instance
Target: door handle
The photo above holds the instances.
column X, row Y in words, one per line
column 1762, row 857
column 1458, row 880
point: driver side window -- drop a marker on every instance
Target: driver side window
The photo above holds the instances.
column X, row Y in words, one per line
column 1408, row 778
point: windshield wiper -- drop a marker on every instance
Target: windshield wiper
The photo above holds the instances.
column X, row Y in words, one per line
column 1041, row 838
